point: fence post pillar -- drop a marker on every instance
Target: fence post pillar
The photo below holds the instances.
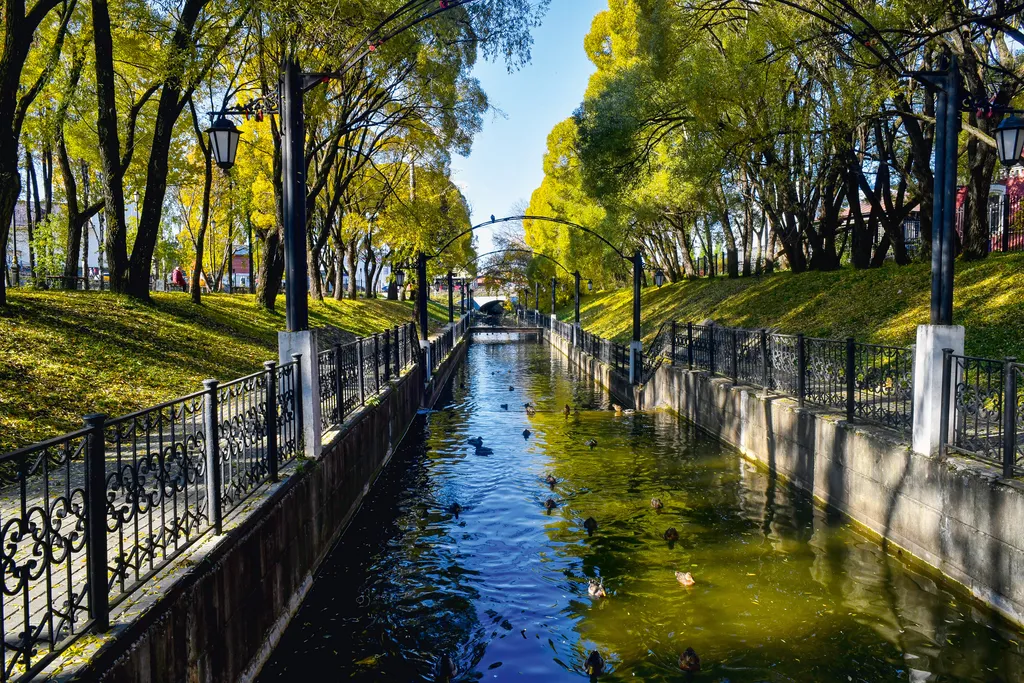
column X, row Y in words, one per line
column 673, row 357
column 801, row 369
column 765, row 360
column 947, row 380
column 735, row 357
column 213, row 469
column 339, row 384
column 689, row 346
column 1009, row 417
column 387, row 356
column 96, row 522
column 929, row 363
column 851, row 378
column 376, row 362
column 359, row 371
column 270, row 419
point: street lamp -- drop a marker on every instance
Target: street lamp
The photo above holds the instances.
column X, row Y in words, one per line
column 1010, row 140
column 400, row 278
column 590, row 285
column 659, row 277
column 224, row 136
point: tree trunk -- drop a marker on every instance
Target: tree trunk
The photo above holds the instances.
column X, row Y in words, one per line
column 353, row 263
column 197, row 267
column 339, row 270
column 271, row 269
column 981, row 163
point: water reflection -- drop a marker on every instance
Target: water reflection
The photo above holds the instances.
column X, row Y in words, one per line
column 782, row 593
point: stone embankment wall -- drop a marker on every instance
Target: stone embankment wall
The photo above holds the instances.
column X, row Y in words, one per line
column 220, row 622
column 954, row 514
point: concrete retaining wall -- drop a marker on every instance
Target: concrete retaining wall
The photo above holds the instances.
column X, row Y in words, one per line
column 221, row 621
column 616, row 384
column 954, row 514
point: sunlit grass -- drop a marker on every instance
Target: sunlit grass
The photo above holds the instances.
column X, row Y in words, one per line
column 67, row 354
column 883, row 305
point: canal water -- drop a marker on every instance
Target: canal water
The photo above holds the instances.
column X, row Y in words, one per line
column 782, row 592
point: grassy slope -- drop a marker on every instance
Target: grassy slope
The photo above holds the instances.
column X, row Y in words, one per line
column 63, row 355
column 883, row 305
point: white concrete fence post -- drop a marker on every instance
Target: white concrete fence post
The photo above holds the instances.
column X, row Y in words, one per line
column 308, row 384
column 931, row 340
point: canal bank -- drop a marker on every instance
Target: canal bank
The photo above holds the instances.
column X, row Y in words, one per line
column 456, row 555
column 954, row 514
column 217, row 613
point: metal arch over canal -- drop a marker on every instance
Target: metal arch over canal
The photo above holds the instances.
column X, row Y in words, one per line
column 635, row 346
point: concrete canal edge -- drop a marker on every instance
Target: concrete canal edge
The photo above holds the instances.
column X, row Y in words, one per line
column 221, row 618
column 954, row 515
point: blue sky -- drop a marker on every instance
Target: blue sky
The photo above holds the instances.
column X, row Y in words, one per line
column 505, row 165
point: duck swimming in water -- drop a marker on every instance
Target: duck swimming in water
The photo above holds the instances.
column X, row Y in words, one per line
column 526, row 433
column 685, row 579
column 455, row 509
column 550, row 504
column 530, row 410
column 477, row 441
column 657, row 504
column 511, row 388
column 504, row 406
column 594, row 664
column 591, row 443
column 689, row 661
column 551, row 481
column 446, row 670
column 596, row 589
column 590, row 525
column 671, row 535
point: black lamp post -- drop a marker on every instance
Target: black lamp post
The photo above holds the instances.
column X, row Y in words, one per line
column 590, row 285
column 421, row 293
column 659, row 277
column 576, row 278
column 554, row 284
column 536, row 297
column 1010, row 140
column 451, row 299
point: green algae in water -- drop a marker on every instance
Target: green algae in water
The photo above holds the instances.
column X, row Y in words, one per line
column 782, row 592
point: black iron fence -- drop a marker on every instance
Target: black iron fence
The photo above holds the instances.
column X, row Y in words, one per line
column 441, row 345
column 90, row 516
column 983, row 410
column 352, row 373
column 868, row 381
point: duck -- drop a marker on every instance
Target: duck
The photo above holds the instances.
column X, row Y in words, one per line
column 618, row 408
column 567, row 410
column 511, row 388
column 591, row 443
column 689, row 661
column 446, row 670
column 596, row 589
column 530, row 410
column 671, row 535
column 685, row 579
column 455, row 509
column 550, row 504
column 590, row 525
column 504, row 406
column 551, row 481
column 526, row 433
column 484, row 450
column 462, row 385
column 594, row 664
column 657, row 504
column 477, row 441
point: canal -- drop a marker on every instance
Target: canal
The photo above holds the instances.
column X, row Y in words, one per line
column 454, row 554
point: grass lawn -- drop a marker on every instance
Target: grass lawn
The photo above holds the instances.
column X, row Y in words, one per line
column 883, row 305
column 67, row 354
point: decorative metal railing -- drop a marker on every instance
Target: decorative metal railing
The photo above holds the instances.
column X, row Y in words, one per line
column 90, row 516
column 983, row 410
column 352, row 373
column 443, row 344
column 868, row 381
